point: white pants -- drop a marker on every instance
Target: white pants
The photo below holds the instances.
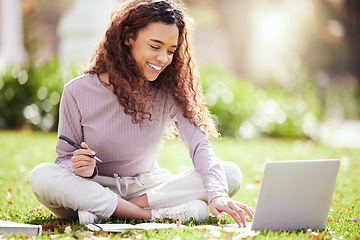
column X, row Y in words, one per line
column 64, row 193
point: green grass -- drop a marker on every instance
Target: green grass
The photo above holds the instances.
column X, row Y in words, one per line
column 21, row 151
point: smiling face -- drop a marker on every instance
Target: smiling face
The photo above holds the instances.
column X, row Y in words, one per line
column 154, row 47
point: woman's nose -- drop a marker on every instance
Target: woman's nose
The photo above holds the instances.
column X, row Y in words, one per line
column 163, row 57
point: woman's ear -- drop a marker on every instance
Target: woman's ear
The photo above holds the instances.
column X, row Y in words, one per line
column 127, row 42
column 128, row 36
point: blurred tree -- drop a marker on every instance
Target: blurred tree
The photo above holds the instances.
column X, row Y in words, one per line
column 351, row 21
column 332, row 55
column 326, row 49
column 233, row 18
column 40, row 20
column 335, row 44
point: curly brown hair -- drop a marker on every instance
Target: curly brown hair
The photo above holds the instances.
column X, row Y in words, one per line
column 179, row 78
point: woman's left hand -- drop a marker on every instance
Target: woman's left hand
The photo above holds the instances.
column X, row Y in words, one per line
column 231, row 207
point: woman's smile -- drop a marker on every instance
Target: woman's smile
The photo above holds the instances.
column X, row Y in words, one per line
column 155, row 67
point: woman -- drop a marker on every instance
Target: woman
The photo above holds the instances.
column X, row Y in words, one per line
column 140, row 78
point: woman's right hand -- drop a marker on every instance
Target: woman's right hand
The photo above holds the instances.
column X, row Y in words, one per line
column 82, row 163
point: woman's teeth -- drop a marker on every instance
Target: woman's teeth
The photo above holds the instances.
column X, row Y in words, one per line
column 154, row 67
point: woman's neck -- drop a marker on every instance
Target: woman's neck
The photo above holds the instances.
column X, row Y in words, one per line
column 104, row 79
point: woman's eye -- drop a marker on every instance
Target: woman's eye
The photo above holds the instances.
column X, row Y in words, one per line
column 154, row 47
column 171, row 52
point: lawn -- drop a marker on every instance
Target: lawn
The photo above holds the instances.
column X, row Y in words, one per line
column 21, row 151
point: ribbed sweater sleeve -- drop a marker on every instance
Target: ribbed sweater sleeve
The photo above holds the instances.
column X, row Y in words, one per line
column 70, row 126
column 202, row 155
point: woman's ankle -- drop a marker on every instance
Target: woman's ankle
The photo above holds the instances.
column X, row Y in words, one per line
column 129, row 210
column 141, row 201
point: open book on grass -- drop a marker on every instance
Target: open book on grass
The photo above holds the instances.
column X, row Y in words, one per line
column 114, row 227
column 16, row 228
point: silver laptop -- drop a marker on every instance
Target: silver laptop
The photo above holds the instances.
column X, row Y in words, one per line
column 295, row 195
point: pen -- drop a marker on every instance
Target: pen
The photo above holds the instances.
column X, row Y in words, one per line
column 77, row 146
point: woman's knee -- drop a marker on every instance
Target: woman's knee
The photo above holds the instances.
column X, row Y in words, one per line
column 41, row 177
column 233, row 177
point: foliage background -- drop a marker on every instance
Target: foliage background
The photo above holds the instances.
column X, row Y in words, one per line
column 268, row 68
column 30, row 97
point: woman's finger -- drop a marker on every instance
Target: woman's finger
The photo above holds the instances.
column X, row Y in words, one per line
column 215, row 212
column 232, row 213
column 84, row 145
column 85, row 152
column 247, row 209
column 237, row 209
column 82, row 163
column 78, row 158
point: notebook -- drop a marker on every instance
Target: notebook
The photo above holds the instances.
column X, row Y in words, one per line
column 295, row 195
column 17, row 228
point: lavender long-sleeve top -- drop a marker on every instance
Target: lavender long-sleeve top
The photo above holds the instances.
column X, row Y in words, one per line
column 90, row 112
